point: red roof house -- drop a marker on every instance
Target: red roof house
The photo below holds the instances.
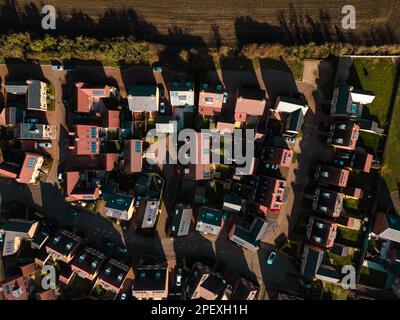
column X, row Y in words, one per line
column 249, row 102
column 210, row 99
column 89, row 96
column 15, row 289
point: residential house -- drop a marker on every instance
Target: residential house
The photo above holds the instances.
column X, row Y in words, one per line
column 358, row 160
column 86, row 139
column 10, row 116
column 63, row 246
column 182, row 94
column 209, row 220
column 278, row 156
column 204, row 283
column 108, row 161
column 79, row 187
column 321, row 232
column 181, row 220
column 133, row 156
column 34, row 131
column 387, row 226
column 291, row 113
column 87, row 263
column 311, row 260
column 15, row 231
column 110, row 119
column 269, row 193
column 143, row 98
column 30, row 168
column 113, row 276
column 331, row 175
column 244, row 290
column 328, row 273
column 328, row 202
column 118, row 206
column 46, row 295
column 39, row 240
column 15, row 289
column 350, row 102
column 343, row 135
column 249, row 236
column 249, row 102
column 151, row 282
column 150, row 213
column 211, row 97
column 36, row 95
column 89, row 97
column 199, row 167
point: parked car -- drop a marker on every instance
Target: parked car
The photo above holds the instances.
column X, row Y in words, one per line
column 225, row 97
column 45, row 145
column 271, row 258
column 178, row 277
column 1, row 238
column 73, row 212
column 162, row 107
column 60, row 177
column 124, row 296
column 271, row 166
column 157, row 69
column 57, row 67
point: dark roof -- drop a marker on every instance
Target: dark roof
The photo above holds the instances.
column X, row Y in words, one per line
column 328, row 271
column 210, row 216
column 342, row 100
column 312, row 262
column 114, row 273
column 33, row 101
column 242, row 289
column 214, row 284
column 40, row 238
column 142, row 90
column 150, row 278
column 63, row 243
column 117, row 201
column 18, row 225
column 296, row 119
column 89, row 260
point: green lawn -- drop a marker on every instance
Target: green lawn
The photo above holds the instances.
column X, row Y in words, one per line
column 340, row 261
column 334, row 291
column 370, row 142
column 391, row 165
column 349, row 237
column 373, row 278
column 379, row 76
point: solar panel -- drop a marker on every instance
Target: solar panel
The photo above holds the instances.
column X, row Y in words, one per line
column 137, row 146
column 94, row 147
column 94, row 132
column 31, row 162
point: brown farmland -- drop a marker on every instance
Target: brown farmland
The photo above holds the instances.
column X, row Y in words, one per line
column 212, row 23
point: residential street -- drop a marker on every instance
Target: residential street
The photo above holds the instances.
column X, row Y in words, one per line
column 48, row 198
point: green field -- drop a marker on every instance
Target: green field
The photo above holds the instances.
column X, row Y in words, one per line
column 379, row 76
column 391, row 166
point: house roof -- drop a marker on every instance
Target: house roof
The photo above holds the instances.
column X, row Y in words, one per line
column 9, row 170
column 133, row 154
column 210, row 216
column 242, row 289
column 28, row 269
column 143, row 98
column 86, row 139
column 87, row 92
column 344, row 134
column 150, row 278
column 181, row 220
column 108, row 161
column 46, row 295
column 114, row 273
column 117, row 201
column 15, row 289
column 150, row 213
column 387, row 226
column 251, row 102
column 332, row 175
column 278, row 156
column 312, row 258
column 321, row 232
column 34, row 96
column 89, row 260
column 225, row 127
column 28, row 167
column 19, row 225
column 13, row 115
column 19, row 89
column 327, row 201
column 64, row 243
column 210, row 98
column 110, row 118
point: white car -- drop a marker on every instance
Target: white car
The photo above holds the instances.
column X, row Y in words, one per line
column 45, row 144
column 57, row 67
column 271, row 258
column 178, row 280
